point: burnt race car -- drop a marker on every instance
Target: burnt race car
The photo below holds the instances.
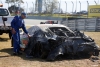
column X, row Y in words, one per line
column 52, row 40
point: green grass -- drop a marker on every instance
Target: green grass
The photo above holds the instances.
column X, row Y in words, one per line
column 59, row 15
column 63, row 15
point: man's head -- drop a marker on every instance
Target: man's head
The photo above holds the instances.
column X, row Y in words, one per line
column 23, row 15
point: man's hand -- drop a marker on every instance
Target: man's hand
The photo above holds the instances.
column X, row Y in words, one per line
column 13, row 31
column 28, row 35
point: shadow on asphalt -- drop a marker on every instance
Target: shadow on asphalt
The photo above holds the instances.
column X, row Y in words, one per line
column 3, row 39
column 23, row 56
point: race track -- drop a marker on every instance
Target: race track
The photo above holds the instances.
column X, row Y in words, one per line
column 30, row 22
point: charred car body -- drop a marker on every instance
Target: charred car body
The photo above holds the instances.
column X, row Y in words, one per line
column 52, row 40
column 49, row 22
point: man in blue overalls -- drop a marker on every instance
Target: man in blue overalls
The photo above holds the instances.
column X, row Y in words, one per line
column 16, row 24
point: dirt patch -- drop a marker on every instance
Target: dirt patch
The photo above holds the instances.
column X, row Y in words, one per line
column 8, row 60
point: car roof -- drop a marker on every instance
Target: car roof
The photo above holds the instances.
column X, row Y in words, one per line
column 45, row 26
column 50, row 25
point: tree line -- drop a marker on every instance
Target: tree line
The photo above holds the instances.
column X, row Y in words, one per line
column 49, row 5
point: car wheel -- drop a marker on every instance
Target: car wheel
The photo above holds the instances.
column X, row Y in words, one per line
column 96, row 53
column 38, row 49
column 85, row 55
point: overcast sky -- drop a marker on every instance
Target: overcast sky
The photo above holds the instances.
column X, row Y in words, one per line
column 62, row 4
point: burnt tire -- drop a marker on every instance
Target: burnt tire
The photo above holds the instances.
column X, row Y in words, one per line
column 1, row 33
column 84, row 55
column 38, row 49
column 96, row 53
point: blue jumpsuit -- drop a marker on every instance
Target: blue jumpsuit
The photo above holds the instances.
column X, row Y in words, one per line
column 17, row 23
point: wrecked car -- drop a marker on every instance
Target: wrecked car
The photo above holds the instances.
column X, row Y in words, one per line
column 52, row 40
column 49, row 22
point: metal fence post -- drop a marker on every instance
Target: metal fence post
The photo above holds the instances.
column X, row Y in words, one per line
column 27, row 7
column 80, row 6
column 85, row 25
column 33, row 7
column 96, row 24
column 75, row 24
column 87, row 8
column 95, row 2
column 72, row 6
column 66, row 8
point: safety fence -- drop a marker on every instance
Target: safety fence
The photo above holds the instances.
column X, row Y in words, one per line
column 92, row 24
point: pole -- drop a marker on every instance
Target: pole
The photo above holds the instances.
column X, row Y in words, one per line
column 33, row 7
column 14, row 6
column 46, row 6
column 27, row 7
column 87, row 8
column 72, row 6
column 19, row 6
column 8, row 4
column 52, row 9
column 80, row 6
column 59, row 8
column 66, row 7
column 98, row 1
column 95, row 2
column 76, row 7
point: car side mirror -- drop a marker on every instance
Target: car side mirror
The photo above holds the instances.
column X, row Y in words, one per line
column 4, row 19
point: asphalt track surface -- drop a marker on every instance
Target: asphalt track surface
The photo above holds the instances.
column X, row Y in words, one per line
column 30, row 22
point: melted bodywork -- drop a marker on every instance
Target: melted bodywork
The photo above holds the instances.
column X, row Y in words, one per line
column 52, row 41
